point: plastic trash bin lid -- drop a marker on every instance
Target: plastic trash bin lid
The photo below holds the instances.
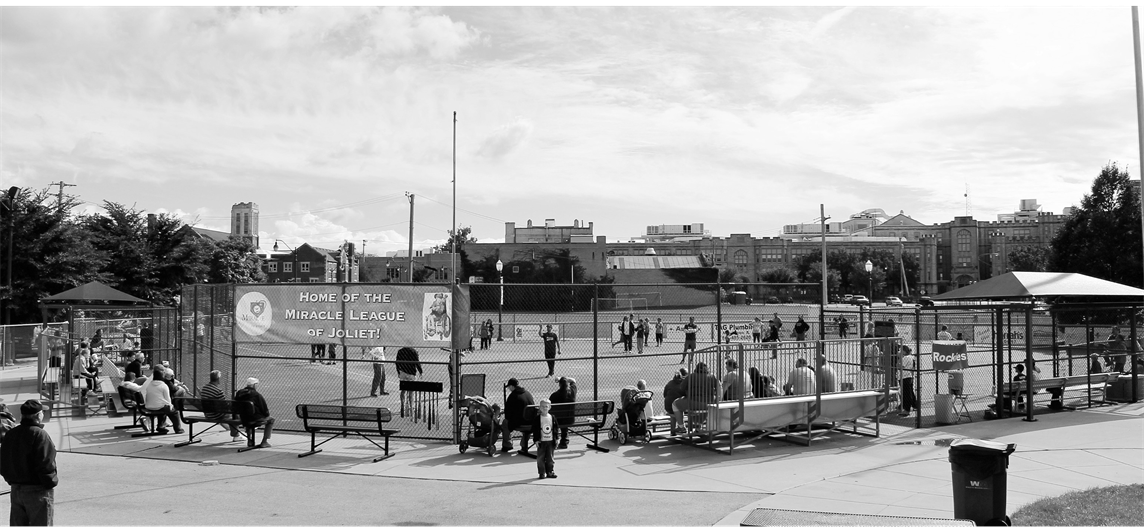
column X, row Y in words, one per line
column 972, row 446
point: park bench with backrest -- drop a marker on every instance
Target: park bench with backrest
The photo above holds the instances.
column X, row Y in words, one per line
column 798, row 417
column 214, row 412
column 342, row 420
column 1091, row 385
column 586, row 415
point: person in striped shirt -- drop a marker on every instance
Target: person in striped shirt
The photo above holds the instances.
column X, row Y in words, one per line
column 213, row 391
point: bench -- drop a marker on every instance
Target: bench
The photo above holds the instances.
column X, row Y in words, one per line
column 342, row 420
column 585, row 415
column 777, row 415
column 1091, row 384
column 193, row 410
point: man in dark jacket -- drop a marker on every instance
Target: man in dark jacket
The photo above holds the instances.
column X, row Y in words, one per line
column 673, row 390
column 514, row 405
column 408, row 369
column 565, row 394
column 28, row 464
column 261, row 414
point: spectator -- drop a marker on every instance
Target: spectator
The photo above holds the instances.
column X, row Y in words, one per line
column 213, row 392
column 544, row 432
column 317, row 353
column 756, row 378
column 1117, row 350
column 689, row 332
column 332, row 350
column 28, row 465
column 769, row 388
column 408, row 369
column 800, row 381
column 800, row 329
column 136, row 365
column 732, row 386
column 844, row 327
column 177, row 388
column 157, row 400
column 660, row 328
column 7, row 420
column 627, row 331
column 778, row 322
column 1094, row 366
column 96, row 343
column 84, row 377
column 944, row 334
column 909, row 366
column 486, row 334
column 673, row 390
column 641, row 336
column 757, row 330
column 377, row 356
column 564, row 394
column 261, row 414
column 826, row 379
column 647, row 331
column 699, row 389
column 514, row 405
column 871, row 362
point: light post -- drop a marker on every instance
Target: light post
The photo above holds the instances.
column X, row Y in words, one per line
column 500, row 307
column 870, row 281
column 293, row 252
column 9, row 204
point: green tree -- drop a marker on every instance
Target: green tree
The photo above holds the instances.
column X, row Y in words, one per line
column 234, row 261
column 1102, row 237
column 148, row 259
column 1030, row 259
column 462, row 236
column 779, row 275
column 833, row 278
column 50, row 253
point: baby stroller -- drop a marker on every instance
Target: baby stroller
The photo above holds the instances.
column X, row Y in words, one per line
column 483, row 425
column 631, row 423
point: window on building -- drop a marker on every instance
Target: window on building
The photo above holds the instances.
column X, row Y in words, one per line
column 287, row 267
column 304, row 267
column 740, row 258
column 963, row 241
column 687, row 229
column 272, row 267
column 315, row 280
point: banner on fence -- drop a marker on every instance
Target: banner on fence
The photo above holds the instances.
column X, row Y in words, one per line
column 352, row 314
column 949, row 355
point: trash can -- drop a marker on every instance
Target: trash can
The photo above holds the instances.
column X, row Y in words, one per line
column 979, row 480
column 738, row 298
column 943, row 409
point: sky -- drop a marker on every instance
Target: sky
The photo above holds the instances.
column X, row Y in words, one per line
column 744, row 119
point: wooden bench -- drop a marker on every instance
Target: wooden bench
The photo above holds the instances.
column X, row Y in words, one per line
column 776, row 415
column 585, row 415
column 1057, row 387
column 193, row 410
column 342, row 420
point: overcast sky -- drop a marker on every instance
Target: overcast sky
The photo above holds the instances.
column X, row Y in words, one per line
column 744, row 119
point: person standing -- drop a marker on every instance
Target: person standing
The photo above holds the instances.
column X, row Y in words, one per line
column 944, row 334
column 659, row 330
column 544, row 429
column 565, row 394
column 408, row 369
column 800, row 329
column 624, row 325
column 689, row 332
column 317, row 353
column 909, row 364
column 1117, row 350
column 377, row 357
column 28, row 465
column 844, row 327
column 551, row 348
column 778, row 323
column 757, row 330
column 333, row 352
column 646, row 331
column 627, row 331
column 871, row 361
column 641, row 335
column 486, row 335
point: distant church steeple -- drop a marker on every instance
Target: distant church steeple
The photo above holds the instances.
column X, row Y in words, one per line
column 244, row 222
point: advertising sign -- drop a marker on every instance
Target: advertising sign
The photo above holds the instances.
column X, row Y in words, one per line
column 949, row 355
column 352, row 315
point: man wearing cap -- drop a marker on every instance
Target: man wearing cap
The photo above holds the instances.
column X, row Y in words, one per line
column 28, row 464
column 514, row 406
column 261, row 411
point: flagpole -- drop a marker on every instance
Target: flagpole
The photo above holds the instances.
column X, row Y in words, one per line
column 1139, row 109
column 453, row 257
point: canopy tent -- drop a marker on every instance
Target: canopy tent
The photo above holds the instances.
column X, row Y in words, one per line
column 1025, row 285
column 91, row 293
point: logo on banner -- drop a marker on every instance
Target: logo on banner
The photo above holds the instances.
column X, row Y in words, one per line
column 253, row 313
column 438, row 325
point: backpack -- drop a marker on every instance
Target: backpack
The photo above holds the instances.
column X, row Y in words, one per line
column 7, row 422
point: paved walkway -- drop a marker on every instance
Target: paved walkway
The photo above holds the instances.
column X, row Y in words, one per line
column 905, row 472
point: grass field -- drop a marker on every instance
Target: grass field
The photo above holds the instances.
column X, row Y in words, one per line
column 1111, row 506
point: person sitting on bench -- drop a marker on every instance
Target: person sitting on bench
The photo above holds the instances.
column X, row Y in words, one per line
column 157, row 401
column 800, row 381
column 213, row 392
column 699, row 389
column 518, row 399
column 261, row 415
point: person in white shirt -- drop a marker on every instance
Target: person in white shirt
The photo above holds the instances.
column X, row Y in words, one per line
column 544, row 429
column 800, row 381
column 944, row 334
column 909, row 365
column 157, row 400
column 871, row 362
column 377, row 356
column 827, row 380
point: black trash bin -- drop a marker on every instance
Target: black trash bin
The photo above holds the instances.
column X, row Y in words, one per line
column 979, row 480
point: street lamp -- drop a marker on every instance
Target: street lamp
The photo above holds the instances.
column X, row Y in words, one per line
column 500, row 307
column 293, row 252
column 870, row 281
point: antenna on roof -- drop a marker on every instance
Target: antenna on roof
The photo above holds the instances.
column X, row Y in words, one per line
column 968, row 202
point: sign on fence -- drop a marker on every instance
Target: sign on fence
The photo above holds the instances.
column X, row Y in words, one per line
column 949, row 355
column 352, row 314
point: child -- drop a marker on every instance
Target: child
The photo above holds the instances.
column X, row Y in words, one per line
column 544, row 430
column 1018, row 377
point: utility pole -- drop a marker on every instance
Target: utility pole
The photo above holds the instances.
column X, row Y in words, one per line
column 410, row 236
column 1139, row 95
column 60, row 194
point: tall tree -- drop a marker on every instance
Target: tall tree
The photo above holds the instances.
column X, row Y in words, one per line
column 1030, row 259
column 234, row 261
column 1102, row 237
column 462, row 236
column 50, row 253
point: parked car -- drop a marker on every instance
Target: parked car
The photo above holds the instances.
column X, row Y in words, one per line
column 893, row 302
column 788, row 299
column 925, row 301
column 860, row 300
column 848, row 298
column 773, row 300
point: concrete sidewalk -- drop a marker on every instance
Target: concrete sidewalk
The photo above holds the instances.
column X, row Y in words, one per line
column 905, row 472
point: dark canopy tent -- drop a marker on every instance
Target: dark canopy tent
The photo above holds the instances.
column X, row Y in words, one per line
column 1023, row 287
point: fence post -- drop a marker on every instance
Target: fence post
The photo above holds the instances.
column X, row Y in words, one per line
column 718, row 313
column 194, row 325
column 595, row 341
column 1132, row 359
column 1053, row 339
column 918, row 367
column 1029, row 362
